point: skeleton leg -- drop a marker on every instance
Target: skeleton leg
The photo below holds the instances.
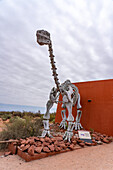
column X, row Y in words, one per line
column 48, row 107
column 78, row 102
column 69, row 133
column 46, row 118
column 63, row 123
column 46, row 131
column 77, row 123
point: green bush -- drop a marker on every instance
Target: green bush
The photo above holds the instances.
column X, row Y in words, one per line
column 37, row 115
column 6, row 116
column 91, row 130
column 18, row 113
column 21, row 128
column 5, row 112
column 12, row 119
column 52, row 117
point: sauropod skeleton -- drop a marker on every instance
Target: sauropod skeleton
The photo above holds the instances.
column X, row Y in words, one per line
column 69, row 92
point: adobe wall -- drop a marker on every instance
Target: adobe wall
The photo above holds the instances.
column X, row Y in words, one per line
column 97, row 114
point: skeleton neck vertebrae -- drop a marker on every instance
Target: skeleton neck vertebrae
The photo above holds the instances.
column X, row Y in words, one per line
column 69, row 92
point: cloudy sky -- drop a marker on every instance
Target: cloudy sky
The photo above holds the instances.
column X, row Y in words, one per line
column 82, row 37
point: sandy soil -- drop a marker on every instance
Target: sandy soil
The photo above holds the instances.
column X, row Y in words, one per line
column 90, row 158
column 2, row 123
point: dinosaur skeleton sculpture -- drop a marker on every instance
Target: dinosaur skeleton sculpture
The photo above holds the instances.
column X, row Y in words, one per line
column 69, row 92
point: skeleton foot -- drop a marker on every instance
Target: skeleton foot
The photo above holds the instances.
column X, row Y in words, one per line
column 77, row 126
column 67, row 136
column 63, row 124
column 69, row 133
column 46, row 131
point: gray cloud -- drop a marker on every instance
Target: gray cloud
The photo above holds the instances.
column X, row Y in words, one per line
column 81, row 32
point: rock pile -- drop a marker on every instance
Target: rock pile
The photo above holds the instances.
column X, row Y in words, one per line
column 36, row 147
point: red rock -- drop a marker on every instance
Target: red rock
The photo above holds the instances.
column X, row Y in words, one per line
column 27, row 141
column 60, row 135
column 93, row 141
column 31, row 150
column 62, row 130
column 56, row 143
column 36, row 138
column 12, row 148
column 42, row 139
column 74, row 142
column 32, row 141
column 15, row 143
column 45, row 143
column 25, row 147
column 23, row 141
column 110, row 138
column 94, row 144
column 21, row 146
column 57, row 148
column 98, row 138
column 47, row 139
column 59, row 138
column 94, row 135
column 75, row 132
column 101, row 136
column 61, row 142
column 62, row 145
column 67, row 144
column 53, row 139
column 98, row 134
column 51, row 147
column 38, row 143
column 7, row 153
column 82, row 144
column 104, row 135
column 71, row 146
column 38, row 149
column 46, row 149
column 79, row 141
column 88, row 144
column 105, row 140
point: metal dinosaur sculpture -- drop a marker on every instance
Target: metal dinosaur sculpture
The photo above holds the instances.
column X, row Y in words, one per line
column 69, row 92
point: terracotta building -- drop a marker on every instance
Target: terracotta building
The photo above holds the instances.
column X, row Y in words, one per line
column 97, row 106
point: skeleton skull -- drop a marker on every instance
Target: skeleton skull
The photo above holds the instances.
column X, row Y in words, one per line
column 43, row 37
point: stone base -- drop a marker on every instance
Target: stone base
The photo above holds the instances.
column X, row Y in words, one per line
column 33, row 148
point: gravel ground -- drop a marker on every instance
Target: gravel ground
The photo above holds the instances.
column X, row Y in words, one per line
column 91, row 158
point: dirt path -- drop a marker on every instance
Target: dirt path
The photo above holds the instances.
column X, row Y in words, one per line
column 90, row 158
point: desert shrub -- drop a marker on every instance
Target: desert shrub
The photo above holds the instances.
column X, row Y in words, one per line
column 13, row 118
column 28, row 114
column 5, row 112
column 19, row 114
column 21, row 128
column 91, row 130
column 53, row 121
column 1, row 114
column 6, row 116
column 37, row 115
column 52, row 117
column 41, row 117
